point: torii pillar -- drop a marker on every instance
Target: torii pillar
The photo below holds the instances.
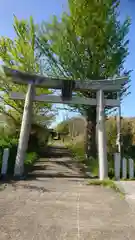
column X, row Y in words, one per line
column 101, row 136
column 24, row 132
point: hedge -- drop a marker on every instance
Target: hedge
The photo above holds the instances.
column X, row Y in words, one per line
column 12, row 144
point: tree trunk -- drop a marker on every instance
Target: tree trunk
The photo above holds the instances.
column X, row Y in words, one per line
column 90, row 141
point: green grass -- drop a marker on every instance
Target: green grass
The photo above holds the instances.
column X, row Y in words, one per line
column 31, row 157
column 106, row 183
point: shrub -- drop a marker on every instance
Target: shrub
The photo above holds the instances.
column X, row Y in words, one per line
column 7, row 142
column 92, row 164
column 31, row 157
column 126, row 137
column 11, row 143
column 38, row 139
column 78, row 150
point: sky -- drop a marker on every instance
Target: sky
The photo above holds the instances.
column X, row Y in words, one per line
column 44, row 9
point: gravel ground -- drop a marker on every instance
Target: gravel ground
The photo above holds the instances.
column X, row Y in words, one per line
column 63, row 209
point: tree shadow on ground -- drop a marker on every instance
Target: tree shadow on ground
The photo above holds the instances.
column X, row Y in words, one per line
column 52, row 152
column 56, row 151
column 30, row 187
column 38, row 168
column 31, row 176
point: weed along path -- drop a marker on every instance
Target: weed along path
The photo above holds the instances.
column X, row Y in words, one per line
column 56, row 202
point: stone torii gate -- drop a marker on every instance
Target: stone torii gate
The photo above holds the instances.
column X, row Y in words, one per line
column 33, row 80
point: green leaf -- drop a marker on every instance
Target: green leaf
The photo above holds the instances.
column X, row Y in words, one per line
column 21, row 53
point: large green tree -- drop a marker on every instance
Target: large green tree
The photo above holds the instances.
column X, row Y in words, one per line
column 88, row 43
column 21, row 53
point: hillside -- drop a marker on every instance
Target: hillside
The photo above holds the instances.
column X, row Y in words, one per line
column 76, row 126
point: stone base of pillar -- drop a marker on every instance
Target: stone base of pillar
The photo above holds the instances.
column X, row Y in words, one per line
column 19, row 178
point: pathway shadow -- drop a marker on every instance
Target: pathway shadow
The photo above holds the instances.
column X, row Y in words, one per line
column 38, row 168
column 53, row 152
column 30, row 187
column 32, row 176
column 56, row 151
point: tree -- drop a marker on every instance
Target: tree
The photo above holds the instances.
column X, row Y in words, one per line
column 20, row 53
column 63, row 127
column 126, row 135
column 88, row 43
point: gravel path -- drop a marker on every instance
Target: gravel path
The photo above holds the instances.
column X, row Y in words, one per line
column 63, row 209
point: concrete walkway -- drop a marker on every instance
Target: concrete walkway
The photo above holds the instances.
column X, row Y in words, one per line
column 55, row 203
column 56, row 208
column 128, row 187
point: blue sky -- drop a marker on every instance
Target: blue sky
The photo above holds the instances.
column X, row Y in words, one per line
column 43, row 10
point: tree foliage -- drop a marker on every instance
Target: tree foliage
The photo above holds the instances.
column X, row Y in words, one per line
column 21, row 54
column 63, row 127
column 88, row 43
column 126, row 136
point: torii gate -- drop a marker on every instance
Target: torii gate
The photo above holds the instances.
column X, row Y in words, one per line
column 32, row 80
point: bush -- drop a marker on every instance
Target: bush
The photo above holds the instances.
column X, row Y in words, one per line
column 126, row 137
column 92, row 164
column 128, row 149
column 11, row 143
column 78, row 150
column 38, row 140
column 30, row 159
